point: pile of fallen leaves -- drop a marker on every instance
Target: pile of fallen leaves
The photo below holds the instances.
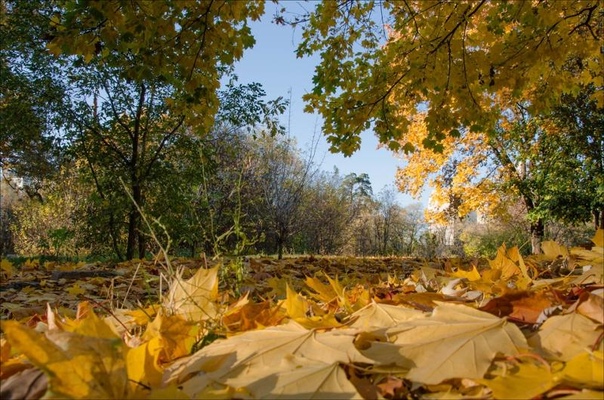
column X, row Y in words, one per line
column 511, row 327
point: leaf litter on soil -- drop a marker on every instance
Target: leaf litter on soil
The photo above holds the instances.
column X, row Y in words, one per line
column 308, row 327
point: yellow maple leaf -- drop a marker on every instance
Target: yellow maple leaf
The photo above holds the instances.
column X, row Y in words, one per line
column 77, row 366
column 562, row 337
column 144, row 315
column 194, row 298
column 142, row 363
column 87, row 323
column 296, row 361
column 525, row 380
column 30, row 264
column 75, row 290
column 511, row 264
column 176, row 335
column 586, row 369
column 472, row 275
column 464, row 339
column 253, row 316
column 295, row 305
column 552, row 250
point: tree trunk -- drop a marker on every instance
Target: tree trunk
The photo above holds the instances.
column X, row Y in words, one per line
column 131, row 244
column 134, row 223
column 280, row 247
column 537, row 233
column 142, row 244
column 114, row 236
column 598, row 219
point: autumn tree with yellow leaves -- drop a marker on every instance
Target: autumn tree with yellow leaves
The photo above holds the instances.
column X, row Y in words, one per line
column 437, row 81
column 550, row 164
column 384, row 62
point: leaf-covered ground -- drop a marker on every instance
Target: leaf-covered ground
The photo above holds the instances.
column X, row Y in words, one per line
column 308, row 327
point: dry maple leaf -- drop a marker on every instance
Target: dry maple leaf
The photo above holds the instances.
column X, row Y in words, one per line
column 255, row 355
column 454, row 342
column 524, row 380
column 194, row 298
column 520, row 306
column 511, row 264
column 586, row 370
column 562, row 337
column 176, row 335
column 377, row 315
column 78, row 366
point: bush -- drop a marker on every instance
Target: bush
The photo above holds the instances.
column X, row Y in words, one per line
column 484, row 240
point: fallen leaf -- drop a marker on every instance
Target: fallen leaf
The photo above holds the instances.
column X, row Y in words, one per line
column 377, row 315
column 456, row 341
column 552, row 250
column 521, row 306
column 30, row 383
column 586, row 369
column 472, row 275
column 590, row 305
column 295, row 304
column 194, row 298
column 252, row 316
column 524, row 380
column 7, row 268
column 562, row 337
column 231, row 361
column 298, row 377
column 511, row 263
column 77, row 366
column 176, row 335
column 143, row 364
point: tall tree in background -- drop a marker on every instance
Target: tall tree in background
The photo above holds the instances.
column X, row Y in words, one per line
column 384, row 62
column 551, row 162
column 576, row 139
column 31, row 97
column 134, row 80
column 284, row 178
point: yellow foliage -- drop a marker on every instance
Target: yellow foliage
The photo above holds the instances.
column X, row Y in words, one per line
column 78, row 366
column 176, row 335
column 7, row 267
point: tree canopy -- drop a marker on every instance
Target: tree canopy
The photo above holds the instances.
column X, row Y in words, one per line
column 189, row 45
column 383, row 62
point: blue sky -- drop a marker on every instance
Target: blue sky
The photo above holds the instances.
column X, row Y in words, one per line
column 273, row 63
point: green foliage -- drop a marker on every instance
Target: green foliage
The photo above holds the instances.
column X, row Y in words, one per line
column 483, row 241
column 573, row 190
column 31, row 98
column 51, row 226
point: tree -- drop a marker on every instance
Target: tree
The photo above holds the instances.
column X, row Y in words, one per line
column 284, row 176
column 188, row 45
column 383, row 62
column 539, row 159
column 138, row 81
column 30, row 98
column 576, row 140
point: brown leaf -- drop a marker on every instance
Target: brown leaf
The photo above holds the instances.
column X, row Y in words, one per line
column 28, row 384
column 521, row 306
